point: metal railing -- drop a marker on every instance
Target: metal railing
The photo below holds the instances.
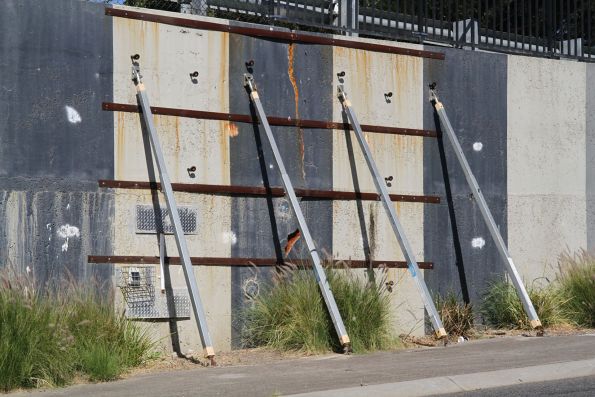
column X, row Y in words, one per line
column 549, row 28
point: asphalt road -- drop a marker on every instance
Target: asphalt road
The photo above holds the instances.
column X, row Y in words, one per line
column 575, row 387
column 475, row 363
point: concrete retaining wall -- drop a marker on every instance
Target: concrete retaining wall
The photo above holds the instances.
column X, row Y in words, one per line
column 56, row 69
column 546, row 162
column 525, row 124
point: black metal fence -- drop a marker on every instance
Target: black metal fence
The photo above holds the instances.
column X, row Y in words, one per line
column 549, row 28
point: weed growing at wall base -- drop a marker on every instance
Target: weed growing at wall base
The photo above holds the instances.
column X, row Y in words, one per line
column 577, row 283
column 502, row 308
column 46, row 338
column 457, row 317
column 292, row 315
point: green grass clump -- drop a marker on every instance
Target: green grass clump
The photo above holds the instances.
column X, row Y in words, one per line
column 93, row 323
column 577, row 284
column 34, row 343
column 502, row 308
column 457, row 317
column 100, row 362
column 292, row 315
column 46, row 338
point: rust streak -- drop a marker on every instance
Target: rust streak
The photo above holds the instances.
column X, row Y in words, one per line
column 296, row 97
column 177, row 120
column 121, row 145
column 224, row 73
column 232, row 129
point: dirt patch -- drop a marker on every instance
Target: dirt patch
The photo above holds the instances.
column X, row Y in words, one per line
column 559, row 330
column 224, row 359
column 431, row 341
column 258, row 356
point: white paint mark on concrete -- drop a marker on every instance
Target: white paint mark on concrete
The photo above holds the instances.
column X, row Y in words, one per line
column 271, row 166
column 68, row 206
column 28, row 270
column 49, row 227
column 477, row 146
column 67, row 231
column 230, row 237
column 65, row 246
column 72, row 115
column 478, row 242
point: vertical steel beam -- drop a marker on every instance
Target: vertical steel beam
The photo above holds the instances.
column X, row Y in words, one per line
column 321, row 279
column 172, row 207
column 485, row 211
column 392, row 215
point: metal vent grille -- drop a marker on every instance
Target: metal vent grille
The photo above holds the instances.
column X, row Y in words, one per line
column 141, row 300
column 150, row 220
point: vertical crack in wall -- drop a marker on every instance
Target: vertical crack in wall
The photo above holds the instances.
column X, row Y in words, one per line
column 296, row 95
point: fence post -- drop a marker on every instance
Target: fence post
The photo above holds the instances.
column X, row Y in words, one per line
column 466, row 33
column 549, row 26
column 421, row 20
column 349, row 12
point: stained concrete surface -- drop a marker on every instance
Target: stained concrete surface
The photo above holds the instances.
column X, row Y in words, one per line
column 361, row 230
column 65, row 57
column 289, row 80
column 55, row 71
column 472, row 87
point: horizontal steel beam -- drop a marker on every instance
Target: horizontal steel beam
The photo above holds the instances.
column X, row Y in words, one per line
column 276, row 121
column 291, row 37
column 266, row 192
column 202, row 261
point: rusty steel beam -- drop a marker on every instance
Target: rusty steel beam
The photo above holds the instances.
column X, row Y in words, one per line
column 291, row 37
column 277, row 121
column 267, row 192
column 205, row 261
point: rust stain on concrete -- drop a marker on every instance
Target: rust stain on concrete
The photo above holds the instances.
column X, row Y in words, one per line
column 224, row 54
column 291, row 73
column 230, row 128
column 177, row 134
column 296, row 96
column 120, row 144
column 224, row 149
